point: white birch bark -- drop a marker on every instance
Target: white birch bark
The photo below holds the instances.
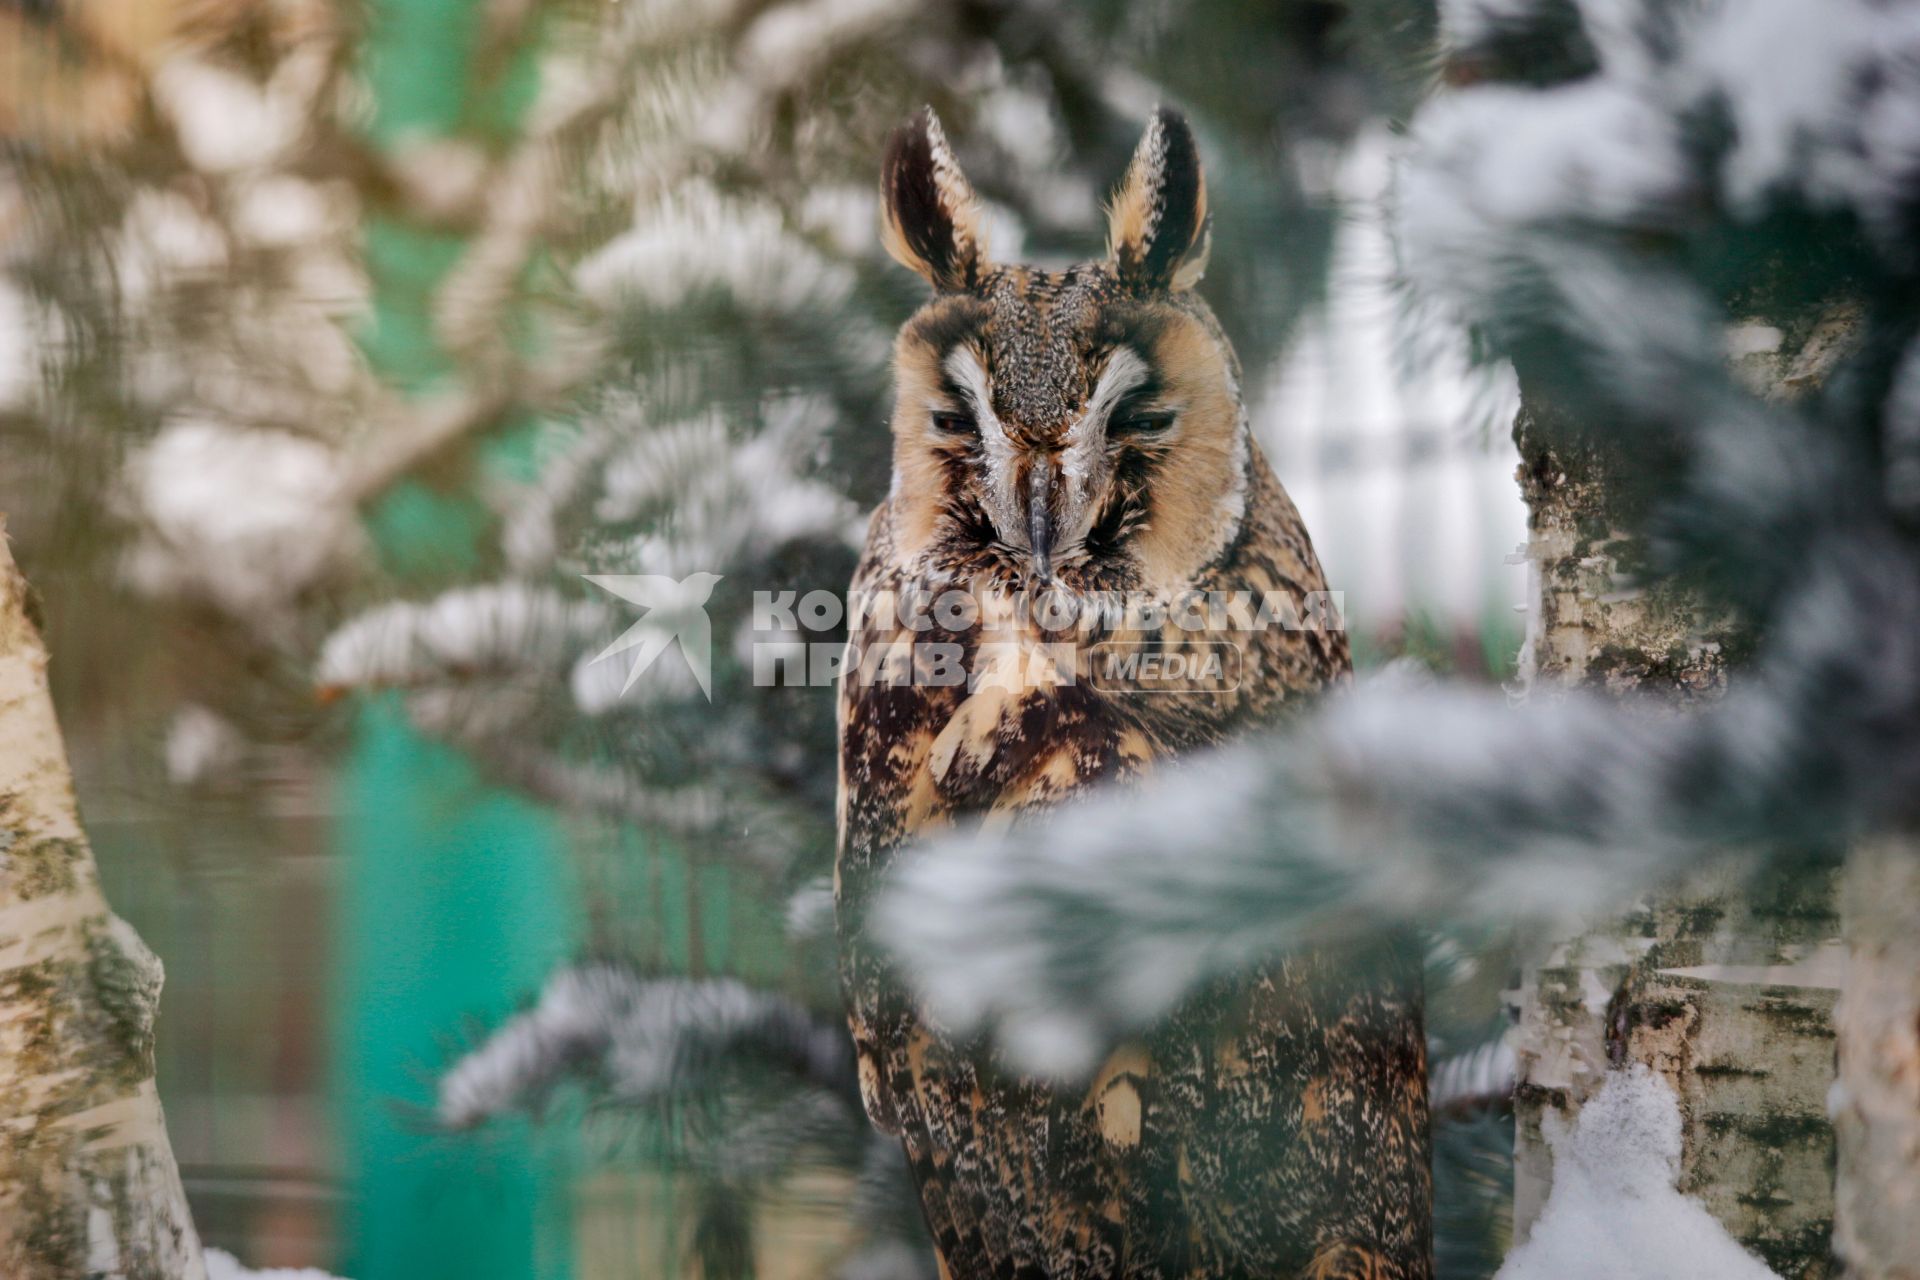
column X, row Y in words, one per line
column 88, row 1185
column 1727, row 986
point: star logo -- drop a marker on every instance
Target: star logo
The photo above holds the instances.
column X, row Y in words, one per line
column 674, row 611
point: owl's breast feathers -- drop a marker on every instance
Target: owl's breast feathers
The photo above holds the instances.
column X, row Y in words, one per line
column 1002, row 711
column 1275, row 1126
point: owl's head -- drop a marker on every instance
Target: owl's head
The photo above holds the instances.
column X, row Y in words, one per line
column 1081, row 426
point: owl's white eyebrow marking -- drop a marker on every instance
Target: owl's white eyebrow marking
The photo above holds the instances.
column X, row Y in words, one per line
column 1125, row 370
column 964, row 367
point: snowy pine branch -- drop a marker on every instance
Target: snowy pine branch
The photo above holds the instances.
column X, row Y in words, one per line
column 633, row 1043
column 635, row 1038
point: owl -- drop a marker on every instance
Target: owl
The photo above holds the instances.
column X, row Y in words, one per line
column 1074, row 485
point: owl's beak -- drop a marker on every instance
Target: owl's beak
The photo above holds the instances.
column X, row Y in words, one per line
column 1040, row 520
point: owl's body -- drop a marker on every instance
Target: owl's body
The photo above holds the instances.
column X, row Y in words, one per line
column 1069, row 447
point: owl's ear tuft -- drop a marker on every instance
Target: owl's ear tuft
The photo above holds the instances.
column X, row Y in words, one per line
column 930, row 217
column 1158, row 230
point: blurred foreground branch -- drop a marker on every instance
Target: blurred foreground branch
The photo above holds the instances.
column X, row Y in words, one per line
column 762, row 1091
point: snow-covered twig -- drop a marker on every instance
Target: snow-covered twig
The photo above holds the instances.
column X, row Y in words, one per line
column 639, row 1038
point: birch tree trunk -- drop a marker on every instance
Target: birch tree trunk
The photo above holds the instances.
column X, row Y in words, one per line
column 88, row 1185
column 1726, row 988
column 1876, row 1107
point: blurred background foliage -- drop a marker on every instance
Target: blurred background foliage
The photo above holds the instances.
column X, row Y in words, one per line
column 337, row 341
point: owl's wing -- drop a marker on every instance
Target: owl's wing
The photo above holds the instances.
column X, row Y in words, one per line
column 1289, row 1128
column 887, row 723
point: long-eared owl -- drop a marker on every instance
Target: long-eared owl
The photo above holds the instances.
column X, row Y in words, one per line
column 1074, row 485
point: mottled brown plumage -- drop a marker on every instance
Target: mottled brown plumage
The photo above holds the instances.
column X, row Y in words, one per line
column 1075, row 437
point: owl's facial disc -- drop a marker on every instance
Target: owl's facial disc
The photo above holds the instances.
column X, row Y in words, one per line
column 1056, row 430
column 1082, row 425
column 1040, row 479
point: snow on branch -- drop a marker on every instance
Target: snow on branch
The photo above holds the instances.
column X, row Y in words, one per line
column 639, row 1038
column 633, row 1042
column 1614, row 1210
column 1429, row 808
column 222, row 1265
column 694, row 238
column 509, row 626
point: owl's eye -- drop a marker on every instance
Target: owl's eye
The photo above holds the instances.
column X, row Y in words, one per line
column 1139, row 422
column 950, row 423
